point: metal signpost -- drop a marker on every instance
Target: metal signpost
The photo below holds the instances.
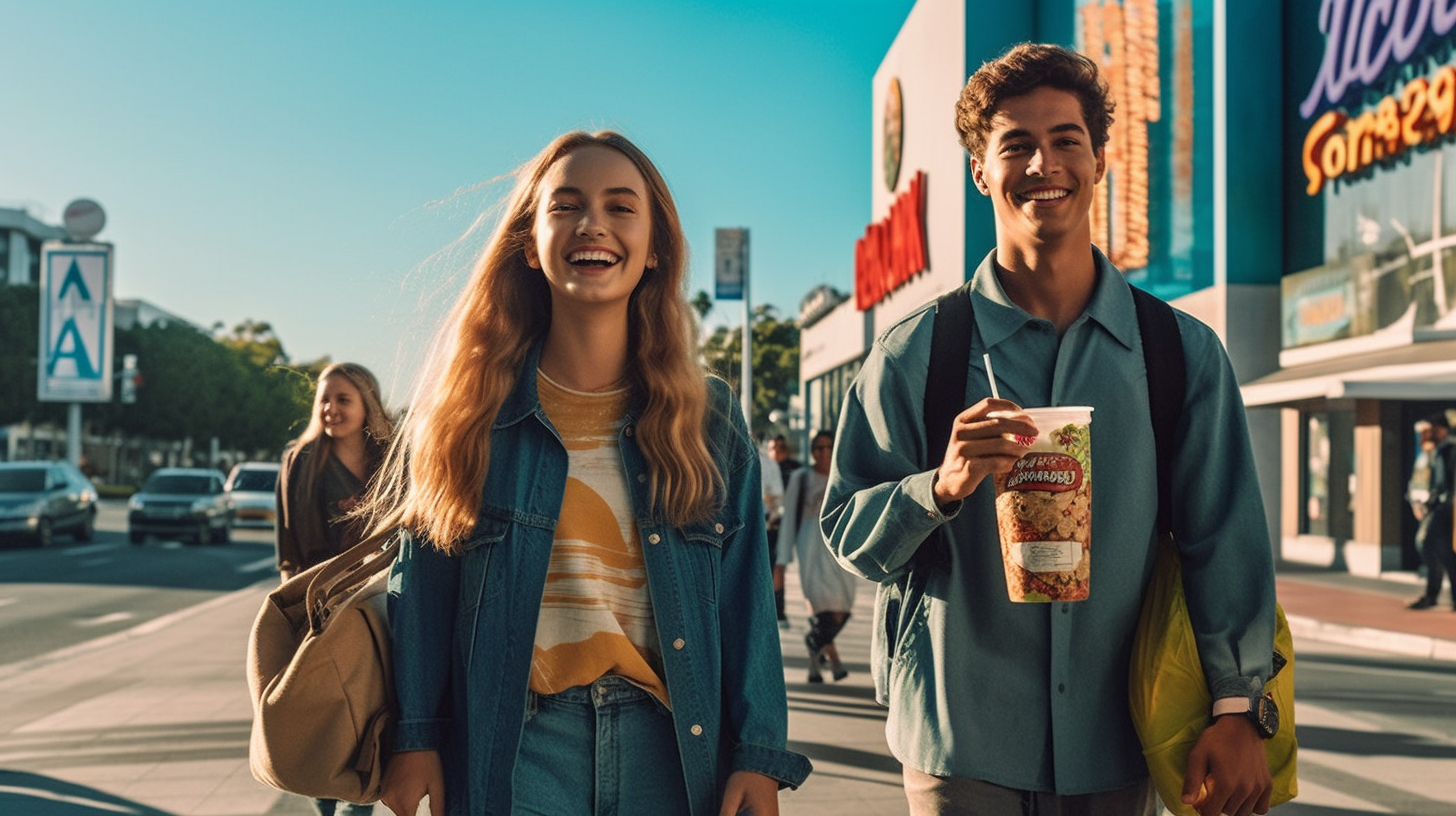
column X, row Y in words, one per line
column 731, row 278
column 74, row 363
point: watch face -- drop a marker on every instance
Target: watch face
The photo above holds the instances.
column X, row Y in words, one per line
column 1266, row 716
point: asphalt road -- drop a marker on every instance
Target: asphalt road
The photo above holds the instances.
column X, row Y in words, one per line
column 73, row 592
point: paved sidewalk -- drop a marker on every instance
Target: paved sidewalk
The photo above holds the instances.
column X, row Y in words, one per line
column 154, row 721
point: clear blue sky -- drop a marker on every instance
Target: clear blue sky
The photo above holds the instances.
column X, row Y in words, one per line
column 312, row 164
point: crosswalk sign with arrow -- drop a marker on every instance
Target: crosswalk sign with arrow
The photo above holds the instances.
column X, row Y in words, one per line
column 75, row 324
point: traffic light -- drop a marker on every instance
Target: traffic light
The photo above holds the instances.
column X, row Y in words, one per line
column 130, row 377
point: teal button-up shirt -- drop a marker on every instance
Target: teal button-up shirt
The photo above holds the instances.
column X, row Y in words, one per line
column 1034, row 696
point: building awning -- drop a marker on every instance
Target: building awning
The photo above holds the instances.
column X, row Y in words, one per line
column 1419, row 371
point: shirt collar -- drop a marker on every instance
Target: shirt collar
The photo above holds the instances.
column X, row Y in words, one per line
column 997, row 317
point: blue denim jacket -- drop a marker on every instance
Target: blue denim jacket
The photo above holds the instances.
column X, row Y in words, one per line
column 464, row 626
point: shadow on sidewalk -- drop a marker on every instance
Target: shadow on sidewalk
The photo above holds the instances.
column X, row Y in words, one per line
column 33, row 795
column 1372, row 743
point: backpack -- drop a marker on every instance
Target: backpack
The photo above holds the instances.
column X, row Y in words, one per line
column 945, row 389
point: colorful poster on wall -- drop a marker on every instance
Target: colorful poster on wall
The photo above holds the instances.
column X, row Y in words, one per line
column 1374, row 88
column 1153, row 213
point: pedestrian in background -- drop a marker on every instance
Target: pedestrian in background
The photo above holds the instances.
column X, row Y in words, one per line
column 581, row 609
column 999, row 707
column 323, row 478
column 1434, row 513
column 828, row 589
column 785, row 464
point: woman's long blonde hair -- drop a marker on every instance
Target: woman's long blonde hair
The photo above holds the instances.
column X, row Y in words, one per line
column 435, row 472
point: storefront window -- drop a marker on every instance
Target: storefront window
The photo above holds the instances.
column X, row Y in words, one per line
column 1317, row 475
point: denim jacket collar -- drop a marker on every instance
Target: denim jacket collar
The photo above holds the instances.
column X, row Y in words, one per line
column 524, row 400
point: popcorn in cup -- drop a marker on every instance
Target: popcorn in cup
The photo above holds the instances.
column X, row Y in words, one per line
column 1044, row 509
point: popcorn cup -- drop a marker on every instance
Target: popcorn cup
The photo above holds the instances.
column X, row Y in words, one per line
column 1044, row 509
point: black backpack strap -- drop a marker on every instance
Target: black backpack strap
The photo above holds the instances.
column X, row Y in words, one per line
column 945, row 389
column 1167, row 385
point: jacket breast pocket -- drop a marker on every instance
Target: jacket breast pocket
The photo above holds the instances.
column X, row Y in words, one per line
column 703, row 546
column 475, row 559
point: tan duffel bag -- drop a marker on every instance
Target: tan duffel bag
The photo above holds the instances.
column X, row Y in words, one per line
column 320, row 678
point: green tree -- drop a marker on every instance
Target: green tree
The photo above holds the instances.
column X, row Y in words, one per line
column 775, row 361
column 19, row 356
column 255, row 338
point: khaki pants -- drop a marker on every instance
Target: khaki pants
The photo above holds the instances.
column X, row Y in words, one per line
column 953, row 796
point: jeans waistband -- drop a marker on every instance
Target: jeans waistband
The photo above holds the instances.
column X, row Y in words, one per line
column 605, row 691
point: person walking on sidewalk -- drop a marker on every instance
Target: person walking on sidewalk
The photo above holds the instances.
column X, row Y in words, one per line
column 828, row 588
column 785, row 464
column 324, row 475
column 1434, row 530
column 581, row 610
column 998, row 707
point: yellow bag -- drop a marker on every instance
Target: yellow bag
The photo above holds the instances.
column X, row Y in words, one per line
column 1169, row 696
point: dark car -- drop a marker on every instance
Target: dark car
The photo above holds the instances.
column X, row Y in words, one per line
column 40, row 499
column 185, row 502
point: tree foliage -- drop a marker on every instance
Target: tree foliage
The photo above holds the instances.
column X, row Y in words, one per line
column 239, row 387
column 775, row 361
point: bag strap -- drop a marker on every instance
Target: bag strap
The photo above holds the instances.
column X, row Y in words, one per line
column 1167, row 377
column 1167, row 386
column 346, row 572
column 945, row 390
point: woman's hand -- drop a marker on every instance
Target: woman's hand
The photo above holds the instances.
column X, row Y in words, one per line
column 750, row 794
column 409, row 776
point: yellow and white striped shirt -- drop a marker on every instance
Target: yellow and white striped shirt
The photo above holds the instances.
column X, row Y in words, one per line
column 596, row 613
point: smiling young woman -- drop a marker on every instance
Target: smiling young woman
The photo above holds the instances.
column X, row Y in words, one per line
column 583, row 528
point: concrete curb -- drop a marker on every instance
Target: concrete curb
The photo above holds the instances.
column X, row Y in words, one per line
column 1382, row 640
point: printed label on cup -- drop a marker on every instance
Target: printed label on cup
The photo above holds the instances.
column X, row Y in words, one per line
column 1044, row 510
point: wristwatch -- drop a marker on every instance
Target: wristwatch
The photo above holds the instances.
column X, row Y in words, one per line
column 1260, row 709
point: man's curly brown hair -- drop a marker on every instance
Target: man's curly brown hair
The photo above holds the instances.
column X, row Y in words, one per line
column 1021, row 70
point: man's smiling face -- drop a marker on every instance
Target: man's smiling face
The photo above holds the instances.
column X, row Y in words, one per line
column 1040, row 170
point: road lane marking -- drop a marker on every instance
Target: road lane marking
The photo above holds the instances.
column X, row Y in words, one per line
column 261, row 564
column 89, row 549
column 102, row 620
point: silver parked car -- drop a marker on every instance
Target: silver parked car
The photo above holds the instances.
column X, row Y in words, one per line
column 186, row 502
column 251, row 487
column 40, row 499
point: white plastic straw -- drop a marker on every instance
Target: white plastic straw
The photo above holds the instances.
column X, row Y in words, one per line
column 990, row 375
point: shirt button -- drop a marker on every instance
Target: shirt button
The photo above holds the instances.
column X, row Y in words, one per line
column 717, row 528
column 679, row 644
column 696, row 730
column 1066, row 608
column 1062, row 687
column 654, row 538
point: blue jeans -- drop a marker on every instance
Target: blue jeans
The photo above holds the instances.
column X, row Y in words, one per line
column 598, row 750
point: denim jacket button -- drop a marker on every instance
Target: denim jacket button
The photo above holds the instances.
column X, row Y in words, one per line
column 696, row 730
column 654, row 538
column 641, row 478
column 717, row 528
column 679, row 644
column 628, row 431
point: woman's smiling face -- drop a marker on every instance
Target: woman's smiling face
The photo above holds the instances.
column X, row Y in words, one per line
column 593, row 227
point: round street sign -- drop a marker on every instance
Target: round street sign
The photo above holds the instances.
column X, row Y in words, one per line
column 83, row 219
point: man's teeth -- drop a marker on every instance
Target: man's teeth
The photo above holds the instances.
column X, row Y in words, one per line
column 594, row 256
column 1045, row 195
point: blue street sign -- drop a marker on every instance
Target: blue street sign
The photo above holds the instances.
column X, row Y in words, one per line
column 75, row 324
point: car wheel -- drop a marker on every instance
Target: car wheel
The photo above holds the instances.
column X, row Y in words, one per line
column 203, row 534
column 87, row 530
column 44, row 533
column 136, row 537
column 222, row 535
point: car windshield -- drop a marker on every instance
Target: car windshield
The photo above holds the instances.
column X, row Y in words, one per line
column 257, row 480
column 177, row 484
column 22, row 480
